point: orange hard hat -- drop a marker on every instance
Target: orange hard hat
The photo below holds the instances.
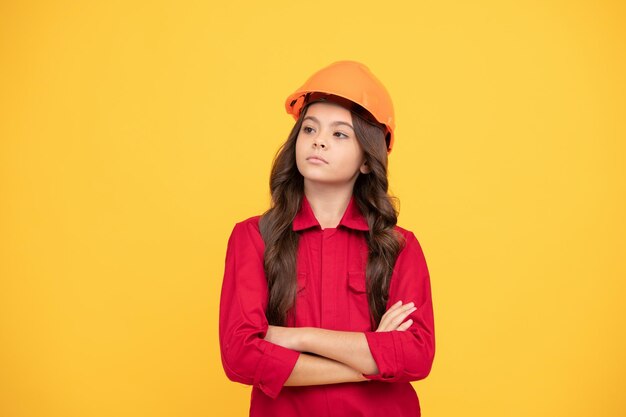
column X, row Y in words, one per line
column 349, row 80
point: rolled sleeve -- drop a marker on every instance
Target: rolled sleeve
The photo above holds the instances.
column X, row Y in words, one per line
column 407, row 355
column 246, row 356
column 275, row 368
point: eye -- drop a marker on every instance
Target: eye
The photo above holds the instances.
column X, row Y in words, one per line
column 304, row 129
column 341, row 133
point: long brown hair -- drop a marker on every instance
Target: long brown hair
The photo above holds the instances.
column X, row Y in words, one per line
column 371, row 196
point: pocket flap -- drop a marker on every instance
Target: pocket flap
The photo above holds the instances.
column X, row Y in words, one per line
column 356, row 281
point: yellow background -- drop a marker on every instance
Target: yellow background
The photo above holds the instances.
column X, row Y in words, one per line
column 134, row 135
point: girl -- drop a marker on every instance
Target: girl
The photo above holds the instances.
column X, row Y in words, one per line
column 326, row 303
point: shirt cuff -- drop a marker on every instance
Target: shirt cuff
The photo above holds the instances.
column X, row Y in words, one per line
column 274, row 368
column 387, row 353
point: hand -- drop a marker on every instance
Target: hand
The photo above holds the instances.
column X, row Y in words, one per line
column 392, row 319
column 288, row 337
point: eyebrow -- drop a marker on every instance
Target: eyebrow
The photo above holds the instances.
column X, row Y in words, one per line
column 337, row 122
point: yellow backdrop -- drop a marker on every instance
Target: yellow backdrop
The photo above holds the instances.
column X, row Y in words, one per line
column 134, row 135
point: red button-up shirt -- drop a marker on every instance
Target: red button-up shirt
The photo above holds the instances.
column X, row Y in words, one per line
column 331, row 295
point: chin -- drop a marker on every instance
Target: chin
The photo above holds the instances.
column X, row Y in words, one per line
column 315, row 178
column 318, row 179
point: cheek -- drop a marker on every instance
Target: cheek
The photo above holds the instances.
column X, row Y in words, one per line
column 351, row 161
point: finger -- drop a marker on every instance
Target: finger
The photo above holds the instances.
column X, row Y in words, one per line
column 396, row 320
column 396, row 305
column 400, row 311
column 385, row 317
column 391, row 319
column 395, row 309
column 405, row 325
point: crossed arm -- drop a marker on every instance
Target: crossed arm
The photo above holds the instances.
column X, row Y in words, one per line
column 320, row 356
column 332, row 356
column 327, row 356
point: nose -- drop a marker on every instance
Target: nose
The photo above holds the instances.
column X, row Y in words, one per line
column 319, row 142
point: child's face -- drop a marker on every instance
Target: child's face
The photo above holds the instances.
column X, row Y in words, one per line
column 327, row 132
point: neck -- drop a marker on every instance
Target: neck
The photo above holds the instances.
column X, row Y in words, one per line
column 328, row 203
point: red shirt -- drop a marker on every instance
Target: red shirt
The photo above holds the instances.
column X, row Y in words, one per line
column 331, row 295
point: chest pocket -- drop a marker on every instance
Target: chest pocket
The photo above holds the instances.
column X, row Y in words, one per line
column 358, row 308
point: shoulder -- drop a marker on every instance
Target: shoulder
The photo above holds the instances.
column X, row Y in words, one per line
column 249, row 223
column 245, row 241
column 247, row 230
column 410, row 241
column 404, row 233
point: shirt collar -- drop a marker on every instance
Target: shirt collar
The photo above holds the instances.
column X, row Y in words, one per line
column 352, row 217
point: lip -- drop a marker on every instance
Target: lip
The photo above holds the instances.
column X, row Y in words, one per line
column 316, row 158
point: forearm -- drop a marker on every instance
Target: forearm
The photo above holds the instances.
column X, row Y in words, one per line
column 349, row 348
column 316, row 370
